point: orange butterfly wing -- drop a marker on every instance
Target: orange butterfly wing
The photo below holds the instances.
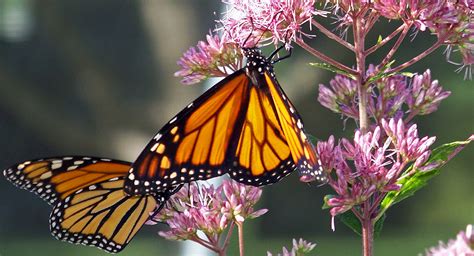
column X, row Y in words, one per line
column 194, row 144
column 273, row 141
column 302, row 150
column 101, row 215
column 90, row 204
column 58, row 177
column 244, row 126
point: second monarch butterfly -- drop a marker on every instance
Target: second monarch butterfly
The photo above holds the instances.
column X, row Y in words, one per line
column 90, row 206
column 245, row 126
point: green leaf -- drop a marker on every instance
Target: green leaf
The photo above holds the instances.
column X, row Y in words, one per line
column 379, row 39
column 332, row 69
column 350, row 220
column 379, row 225
column 410, row 184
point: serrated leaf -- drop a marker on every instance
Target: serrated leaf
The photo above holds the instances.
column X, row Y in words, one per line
column 409, row 185
column 332, row 69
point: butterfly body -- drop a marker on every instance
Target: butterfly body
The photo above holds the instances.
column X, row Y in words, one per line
column 244, row 126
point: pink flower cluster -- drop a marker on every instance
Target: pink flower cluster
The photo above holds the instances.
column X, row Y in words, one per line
column 389, row 95
column 365, row 169
column 213, row 58
column 208, row 209
column 463, row 245
column 248, row 22
column 252, row 23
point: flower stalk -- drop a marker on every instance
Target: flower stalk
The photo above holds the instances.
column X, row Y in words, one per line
column 368, row 171
column 240, row 229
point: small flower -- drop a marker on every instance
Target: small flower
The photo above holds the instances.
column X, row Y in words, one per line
column 462, row 245
column 240, row 201
column 464, row 42
column 388, row 96
column 400, row 9
column 300, row 247
column 208, row 209
column 407, row 143
column 425, row 95
column 213, row 58
column 350, row 5
column 340, row 97
column 273, row 21
column 373, row 169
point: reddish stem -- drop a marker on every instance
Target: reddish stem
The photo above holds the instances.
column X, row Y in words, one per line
column 205, row 244
column 367, row 235
column 240, row 228
column 386, row 39
column 417, row 58
column 395, row 47
column 371, row 19
column 359, row 41
column 331, row 35
column 227, row 238
column 324, row 57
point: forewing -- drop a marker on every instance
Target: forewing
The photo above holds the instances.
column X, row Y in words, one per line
column 194, row 144
column 58, row 177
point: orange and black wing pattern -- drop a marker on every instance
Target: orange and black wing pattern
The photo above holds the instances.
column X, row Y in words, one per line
column 244, row 126
column 58, row 177
column 194, row 144
column 101, row 215
column 272, row 142
column 90, row 205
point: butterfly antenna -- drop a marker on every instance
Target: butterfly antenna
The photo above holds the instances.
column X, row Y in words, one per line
column 280, row 58
column 250, row 34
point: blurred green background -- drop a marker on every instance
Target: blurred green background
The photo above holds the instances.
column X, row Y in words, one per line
column 96, row 78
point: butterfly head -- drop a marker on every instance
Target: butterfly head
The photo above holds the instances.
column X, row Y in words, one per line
column 256, row 65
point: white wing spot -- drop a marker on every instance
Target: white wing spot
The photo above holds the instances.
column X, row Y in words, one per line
column 299, row 124
column 157, row 136
column 154, row 147
column 57, row 165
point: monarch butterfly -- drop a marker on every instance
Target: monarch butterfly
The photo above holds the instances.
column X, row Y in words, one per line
column 244, row 126
column 90, row 206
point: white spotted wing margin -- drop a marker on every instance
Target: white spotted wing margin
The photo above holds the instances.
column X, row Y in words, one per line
column 102, row 215
column 47, row 177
